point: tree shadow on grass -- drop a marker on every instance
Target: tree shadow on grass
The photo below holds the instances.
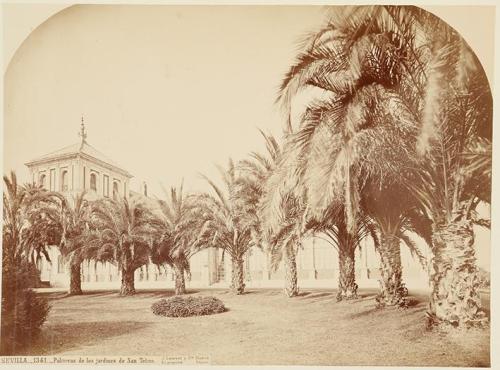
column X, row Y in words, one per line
column 155, row 293
column 371, row 311
column 303, row 294
column 57, row 338
column 52, row 296
column 318, row 295
column 322, row 296
column 143, row 293
column 361, row 298
column 376, row 310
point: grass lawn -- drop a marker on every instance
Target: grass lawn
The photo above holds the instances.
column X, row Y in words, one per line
column 262, row 327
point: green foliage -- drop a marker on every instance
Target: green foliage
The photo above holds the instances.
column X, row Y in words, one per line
column 187, row 306
column 225, row 220
column 23, row 313
column 74, row 219
column 21, row 323
column 176, row 227
column 28, row 225
column 121, row 231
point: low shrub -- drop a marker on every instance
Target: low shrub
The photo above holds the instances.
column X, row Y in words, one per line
column 179, row 306
column 22, row 324
column 23, row 312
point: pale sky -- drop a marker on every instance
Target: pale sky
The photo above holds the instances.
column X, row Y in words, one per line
column 166, row 91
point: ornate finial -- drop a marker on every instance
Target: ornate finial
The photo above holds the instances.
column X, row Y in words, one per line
column 83, row 133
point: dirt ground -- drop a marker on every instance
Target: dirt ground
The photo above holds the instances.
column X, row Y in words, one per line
column 261, row 327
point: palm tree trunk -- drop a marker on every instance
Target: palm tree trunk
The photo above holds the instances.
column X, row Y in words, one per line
column 291, row 287
column 237, row 276
column 454, row 282
column 180, row 283
column 390, row 271
column 347, row 275
column 347, row 278
column 75, row 283
column 128, row 287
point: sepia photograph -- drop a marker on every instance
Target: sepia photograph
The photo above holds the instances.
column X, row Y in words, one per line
column 247, row 185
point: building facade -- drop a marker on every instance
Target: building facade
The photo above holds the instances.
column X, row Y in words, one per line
column 70, row 171
column 81, row 167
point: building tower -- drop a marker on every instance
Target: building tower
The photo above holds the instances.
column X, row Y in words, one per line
column 71, row 170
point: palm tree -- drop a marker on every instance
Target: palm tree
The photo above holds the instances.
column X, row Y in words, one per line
column 394, row 220
column 43, row 228
column 451, row 182
column 332, row 227
column 178, row 233
column 75, row 217
column 283, row 241
column 122, row 232
column 30, row 220
column 26, row 230
column 226, row 224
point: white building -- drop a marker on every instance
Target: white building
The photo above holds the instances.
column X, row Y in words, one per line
column 80, row 167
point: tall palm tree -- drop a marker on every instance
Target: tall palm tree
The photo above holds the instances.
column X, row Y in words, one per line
column 26, row 230
column 333, row 228
column 451, row 182
column 284, row 240
column 43, row 224
column 123, row 232
column 74, row 218
column 226, row 224
column 13, row 221
column 178, row 226
column 29, row 220
column 393, row 222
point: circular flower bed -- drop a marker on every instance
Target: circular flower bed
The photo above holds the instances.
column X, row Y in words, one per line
column 187, row 306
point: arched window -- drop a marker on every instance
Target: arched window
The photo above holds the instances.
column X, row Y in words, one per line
column 64, row 181
column 42, row 180
column 93, row 182
column 116, row 193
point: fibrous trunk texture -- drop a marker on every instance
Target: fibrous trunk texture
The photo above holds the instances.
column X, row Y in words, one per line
column 347, row 275
column 75, row 283
column 291, row 287
column 454, row 282
column 237, row 277
column 180, row 282
column 347, row 278
column 391, row 292
column 128, row 287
